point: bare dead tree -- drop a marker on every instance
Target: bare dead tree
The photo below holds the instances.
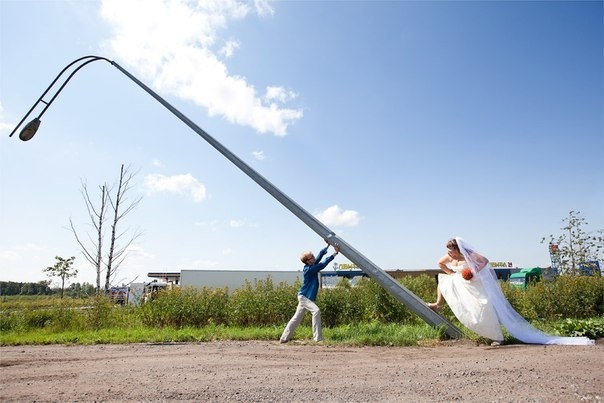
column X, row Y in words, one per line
column 94, row 251
column 120, row 207
column 120, row 210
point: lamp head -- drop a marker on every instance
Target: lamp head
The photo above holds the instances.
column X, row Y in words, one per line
column 30, row 129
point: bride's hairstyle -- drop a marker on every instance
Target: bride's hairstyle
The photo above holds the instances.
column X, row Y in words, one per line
column 452, row 244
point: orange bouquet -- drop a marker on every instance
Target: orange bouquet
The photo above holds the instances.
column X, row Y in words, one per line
column 467, row 274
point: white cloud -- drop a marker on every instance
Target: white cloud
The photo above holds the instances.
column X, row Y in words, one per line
column 5, row 127
column 207, row 225
column 26, row 262
column 176, row 44
column 204, row 264
column 334, row 215
column 263, row 8
column 242, row 223
column 135, row 251
column 213, row 223
column 229, row 48
column 236, row 223
column 279, row 94
column 259, row 155
column 157, row 163
column 9, row 255
column 19, row 252
column 180, row 184
column 227, row 251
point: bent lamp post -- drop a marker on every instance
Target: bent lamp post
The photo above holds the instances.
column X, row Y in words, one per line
column 403, row 295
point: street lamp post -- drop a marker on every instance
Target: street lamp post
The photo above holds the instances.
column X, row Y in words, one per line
column 402, row 294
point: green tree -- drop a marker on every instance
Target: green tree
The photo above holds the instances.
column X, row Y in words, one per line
column 14, row 288
column 27, row 289
column 10, row 288
column 63, row 270
column 576, row 246
column 77, row 290
column 42, row 287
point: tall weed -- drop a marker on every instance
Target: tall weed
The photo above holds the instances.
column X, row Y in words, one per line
column 567, row 297
column 182, row 307
column 262, row 304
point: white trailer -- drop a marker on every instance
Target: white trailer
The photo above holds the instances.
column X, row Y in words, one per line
column 234, row 279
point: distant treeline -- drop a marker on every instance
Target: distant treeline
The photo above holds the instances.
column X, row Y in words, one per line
column 75, row 290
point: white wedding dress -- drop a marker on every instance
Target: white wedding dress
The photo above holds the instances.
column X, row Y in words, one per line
column 469, row 302
column 482, row 307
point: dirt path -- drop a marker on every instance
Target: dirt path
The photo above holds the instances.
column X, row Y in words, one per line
column 296, row 372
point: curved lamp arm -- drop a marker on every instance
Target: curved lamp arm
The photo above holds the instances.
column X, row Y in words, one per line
column 32, row 127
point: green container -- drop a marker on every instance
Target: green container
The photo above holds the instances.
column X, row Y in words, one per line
column 524, row 277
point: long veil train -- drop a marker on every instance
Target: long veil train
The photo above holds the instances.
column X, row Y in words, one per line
column 515, row 324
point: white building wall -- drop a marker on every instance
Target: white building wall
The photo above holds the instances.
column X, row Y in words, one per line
column 234, row 279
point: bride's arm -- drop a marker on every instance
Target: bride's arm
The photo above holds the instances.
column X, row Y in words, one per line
column 442, row 263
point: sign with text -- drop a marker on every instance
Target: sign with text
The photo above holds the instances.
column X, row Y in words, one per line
column 501, row 264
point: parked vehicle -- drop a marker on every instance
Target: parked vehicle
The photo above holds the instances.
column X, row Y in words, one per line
column 119, row 295
column 524, row 277
column 152, row 289
column 590, row 268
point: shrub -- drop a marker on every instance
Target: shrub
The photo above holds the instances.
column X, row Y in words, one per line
column 37, row 319
column 371, row 302
column 423, row 286
column 517, row 297
column 99, row 313
column 263, row 303
column 592, row 328
column 341, row 305
column 59, row 317
column 66, row 318
column 566, row 297
column 8, row 321
column 181, row 307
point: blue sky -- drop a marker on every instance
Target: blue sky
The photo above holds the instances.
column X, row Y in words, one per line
column 398, row 124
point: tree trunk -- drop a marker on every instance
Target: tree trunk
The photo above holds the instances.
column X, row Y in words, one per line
column 62, row 286
column 93, row 253
column 116, row 208
column 99, row 256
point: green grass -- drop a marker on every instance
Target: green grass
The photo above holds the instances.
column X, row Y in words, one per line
column 384, row 334
column 16, row 302
column 373, row 334
column 362, row 334
column 361, row 315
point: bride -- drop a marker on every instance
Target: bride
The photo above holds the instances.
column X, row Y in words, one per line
column 472, row 291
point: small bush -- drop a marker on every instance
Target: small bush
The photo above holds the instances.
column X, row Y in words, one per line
column 423, row 286
column 592, row 328
column 566, row 297
column 37, row 319
column 341, row 305
column 98, row 314
column 262, row 304
column 517, row 297
column 181, row 307
column 8, row 321
column 65, row 318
